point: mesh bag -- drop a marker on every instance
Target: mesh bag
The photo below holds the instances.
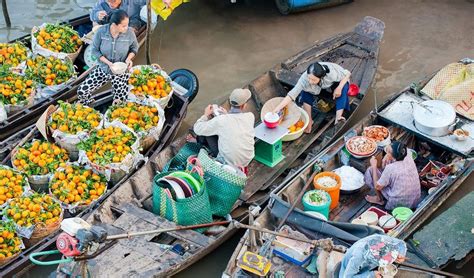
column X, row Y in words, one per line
column 224, row 187
column 190, row 211
column 454, row 84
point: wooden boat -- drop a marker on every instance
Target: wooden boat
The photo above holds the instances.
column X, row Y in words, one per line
column 353, row 204
column 175, row 113
column 25, row 117
column 129, row 206
column 286, row 6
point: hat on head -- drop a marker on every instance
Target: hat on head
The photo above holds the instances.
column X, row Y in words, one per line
column 239, row 96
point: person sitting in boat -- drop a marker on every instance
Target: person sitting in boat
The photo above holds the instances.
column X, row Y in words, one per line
column 365, row 256
column 114, row 42
column 229, row 136
column 398, row 182
column 325, row 77
column 101, row 12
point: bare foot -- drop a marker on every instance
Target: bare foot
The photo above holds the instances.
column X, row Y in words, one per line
column 190, row 138
column 374, row 200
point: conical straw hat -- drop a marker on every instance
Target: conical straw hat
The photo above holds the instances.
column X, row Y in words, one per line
column 289, row 119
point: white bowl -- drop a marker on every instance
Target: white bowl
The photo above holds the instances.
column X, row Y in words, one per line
column 358, row 221
column 387, row 222
column 370, row 217
column 119, row 68
column 317, row 215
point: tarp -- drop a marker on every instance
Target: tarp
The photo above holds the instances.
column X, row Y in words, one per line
column 448, row 236
column 454, row 84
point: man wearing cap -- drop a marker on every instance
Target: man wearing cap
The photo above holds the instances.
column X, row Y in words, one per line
column 234, row 131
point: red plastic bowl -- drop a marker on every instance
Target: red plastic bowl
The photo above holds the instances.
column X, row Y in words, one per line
column 353, row 90
column 271, row 125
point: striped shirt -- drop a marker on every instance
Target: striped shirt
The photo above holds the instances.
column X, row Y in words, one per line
column 401, row 184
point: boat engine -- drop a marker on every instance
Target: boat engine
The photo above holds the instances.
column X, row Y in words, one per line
column 78, row 236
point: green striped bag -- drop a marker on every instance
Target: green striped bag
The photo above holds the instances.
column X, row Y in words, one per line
column 223, row 186
column 179, row 161
column 190, row 211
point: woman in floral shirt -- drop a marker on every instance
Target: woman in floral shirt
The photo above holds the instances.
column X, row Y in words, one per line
column 369, row 253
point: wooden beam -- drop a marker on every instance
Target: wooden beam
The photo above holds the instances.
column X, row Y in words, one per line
column 148, row 32
column 5, row 14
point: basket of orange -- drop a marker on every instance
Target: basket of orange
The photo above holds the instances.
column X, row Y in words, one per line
column 71, row 123
column 35, row 216
column 151, row 82
column 76, row 187
column 13, row 184
column 145, row 119
column 10, row 242
column 57, row 40
column 16, row 91
column 52, row 73
column 111, row 151
column 38, row 160
column 296, row 130
column 14, row 55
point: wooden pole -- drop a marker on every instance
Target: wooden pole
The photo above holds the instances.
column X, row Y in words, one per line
column 5, row 13
column 148, row 32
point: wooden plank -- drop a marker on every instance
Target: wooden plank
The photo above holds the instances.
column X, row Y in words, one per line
column 288, row 77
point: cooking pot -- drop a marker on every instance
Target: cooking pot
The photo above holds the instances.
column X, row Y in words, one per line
column 434, row 117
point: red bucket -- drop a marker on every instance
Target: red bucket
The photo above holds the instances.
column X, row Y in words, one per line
column 353, row 90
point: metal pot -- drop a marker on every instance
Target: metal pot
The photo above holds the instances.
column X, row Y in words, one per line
column 434, row 117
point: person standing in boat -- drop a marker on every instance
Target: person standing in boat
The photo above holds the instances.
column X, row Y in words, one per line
column 325, row 77
column 398, row 182
column 114, row 42
column 229, row 136
column 364, row 257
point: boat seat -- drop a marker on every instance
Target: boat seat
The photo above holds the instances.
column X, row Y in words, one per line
column 288, row 77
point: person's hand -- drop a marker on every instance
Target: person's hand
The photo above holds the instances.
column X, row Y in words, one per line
column 337, row 93
column 373, row 162
column 378, row 274
column 116, row 102
column 208, row 111
column 387, row 159
column 129, row 63
column 400, row 259
column 101, row 15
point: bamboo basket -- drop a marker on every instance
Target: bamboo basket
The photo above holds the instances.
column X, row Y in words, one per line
column 42, row 231
column 5, row 261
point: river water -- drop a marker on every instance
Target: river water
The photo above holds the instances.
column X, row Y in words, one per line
column 228, row 45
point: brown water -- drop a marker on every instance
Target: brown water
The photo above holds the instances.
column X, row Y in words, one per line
column 228, row 45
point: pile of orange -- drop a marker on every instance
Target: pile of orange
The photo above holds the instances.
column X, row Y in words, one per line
column 34, row 209
column 74, row 118
column 149, row 83
column 12, row 184
column 137, row 117
column 77, row 185
column 58, row 38
column 49, row 71
column 13, row 54
column 296, row 127
column 108, row 145
column 39, row 158
column 10, row 243
column 14, row 88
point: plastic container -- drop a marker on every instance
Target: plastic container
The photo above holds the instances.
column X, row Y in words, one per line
column 402, row 213
column 333, row 191
column 271, row 120
column 323, row 209
column 353, row 90
column 297, row 134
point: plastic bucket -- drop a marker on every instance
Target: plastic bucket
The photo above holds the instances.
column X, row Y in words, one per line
column 323, row 209
column 332, row 191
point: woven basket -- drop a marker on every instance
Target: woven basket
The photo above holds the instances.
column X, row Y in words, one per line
column 13, row 109
column 43, row 231
column 37, row 49
column 224, row 187
column 38, row 183
column 5, row 261
column 189, row 211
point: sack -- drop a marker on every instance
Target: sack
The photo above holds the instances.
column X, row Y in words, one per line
column 190, row 211
column 224, row 186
